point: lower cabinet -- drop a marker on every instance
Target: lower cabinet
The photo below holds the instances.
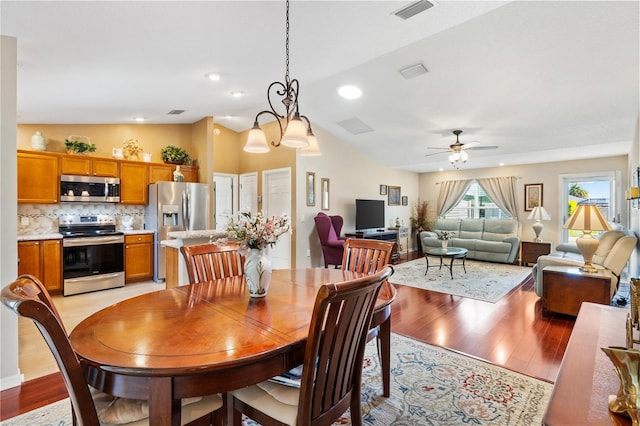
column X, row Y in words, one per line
column 42, row 259
column 138, row 257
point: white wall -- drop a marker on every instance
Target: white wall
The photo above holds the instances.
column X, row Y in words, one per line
column 9, row 371
column 546, row 173
column 351, row 175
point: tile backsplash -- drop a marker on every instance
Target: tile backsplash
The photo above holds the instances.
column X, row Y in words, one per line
column 43, row 218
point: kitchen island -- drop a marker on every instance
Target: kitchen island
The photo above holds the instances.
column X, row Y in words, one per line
column 176, row 269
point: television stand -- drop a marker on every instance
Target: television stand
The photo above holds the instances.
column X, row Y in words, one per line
column 379, row 234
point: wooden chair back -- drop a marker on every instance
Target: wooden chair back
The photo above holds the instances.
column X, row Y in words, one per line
column 27, row 297
column 332, row 369
column 207, row 262
column 368, row 256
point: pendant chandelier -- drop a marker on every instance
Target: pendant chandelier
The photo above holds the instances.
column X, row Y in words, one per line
column 295, row 129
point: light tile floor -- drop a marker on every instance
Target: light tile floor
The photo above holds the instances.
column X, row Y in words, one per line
column 35, row 359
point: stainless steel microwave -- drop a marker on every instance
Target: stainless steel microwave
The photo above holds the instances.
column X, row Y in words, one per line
column 89, row 189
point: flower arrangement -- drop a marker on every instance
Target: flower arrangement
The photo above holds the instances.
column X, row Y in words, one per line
column 131, row 149
column 256, row 231
column 445, row 235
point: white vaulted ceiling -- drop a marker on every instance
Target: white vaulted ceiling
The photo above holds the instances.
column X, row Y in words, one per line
column 542, row 80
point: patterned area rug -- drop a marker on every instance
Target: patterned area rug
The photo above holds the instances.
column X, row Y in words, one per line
column 483, row 280
column 429, row 386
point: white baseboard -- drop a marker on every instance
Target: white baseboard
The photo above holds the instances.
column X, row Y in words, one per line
column 11, row 381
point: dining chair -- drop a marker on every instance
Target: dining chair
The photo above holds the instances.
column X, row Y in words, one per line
column 332, row 368
column 28, row 297
column 209, row 261
column 363, row 255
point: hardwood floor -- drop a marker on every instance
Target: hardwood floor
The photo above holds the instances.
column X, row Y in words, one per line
column 511, row 333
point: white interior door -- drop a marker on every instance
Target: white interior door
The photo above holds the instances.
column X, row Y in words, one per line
column 249, row 192
column 276, row 196
column 226, row 200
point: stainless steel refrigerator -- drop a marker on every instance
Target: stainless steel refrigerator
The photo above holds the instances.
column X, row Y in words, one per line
column 175, row 206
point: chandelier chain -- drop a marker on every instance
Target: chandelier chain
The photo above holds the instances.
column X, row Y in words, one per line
column 286, row 76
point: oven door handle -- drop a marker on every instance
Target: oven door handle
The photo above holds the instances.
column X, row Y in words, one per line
column 92, row 277
column 91, row 241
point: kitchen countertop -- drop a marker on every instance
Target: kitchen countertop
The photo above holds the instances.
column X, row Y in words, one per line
column 56, row 236
column 182, row 238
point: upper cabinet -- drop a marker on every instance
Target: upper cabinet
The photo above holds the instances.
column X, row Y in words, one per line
column 38, row 178
column 78, row 165
column 134, row 178
column 164, row 172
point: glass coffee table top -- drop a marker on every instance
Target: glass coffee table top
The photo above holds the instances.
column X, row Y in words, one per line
column 451, row 253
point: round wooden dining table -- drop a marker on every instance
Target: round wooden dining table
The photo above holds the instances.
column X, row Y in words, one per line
column 203, row 338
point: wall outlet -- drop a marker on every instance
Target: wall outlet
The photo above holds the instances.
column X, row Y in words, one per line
column 308, row 252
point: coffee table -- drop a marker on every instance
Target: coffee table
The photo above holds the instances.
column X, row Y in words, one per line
column 451, row 253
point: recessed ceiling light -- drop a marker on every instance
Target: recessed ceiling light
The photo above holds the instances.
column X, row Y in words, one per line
column 237, row 94
column 501, row 164
column 349, row 92
column 213, row 76
column 441, row 169
column 228, row 117
column 139, row 119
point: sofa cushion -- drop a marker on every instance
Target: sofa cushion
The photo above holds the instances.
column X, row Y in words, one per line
column 447, row 225
column 499, row 229
column 493, row 246
column 462, row 243
column 607, row 241
column 471, row 229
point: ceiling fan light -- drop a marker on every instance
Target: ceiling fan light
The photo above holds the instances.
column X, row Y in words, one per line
column 256, row 141
column 464, row 156
column 295, row 136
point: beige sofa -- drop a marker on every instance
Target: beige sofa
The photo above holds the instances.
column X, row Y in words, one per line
column 613, row 253
column 492, row 240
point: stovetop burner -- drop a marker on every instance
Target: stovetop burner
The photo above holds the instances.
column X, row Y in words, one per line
column 87, row 226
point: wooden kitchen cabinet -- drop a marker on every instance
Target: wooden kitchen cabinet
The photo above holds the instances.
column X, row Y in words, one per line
column 138, row 257
column 42, row 259
column 134, row 178
column 80, row 165
column 164, row 172
column 38, row 178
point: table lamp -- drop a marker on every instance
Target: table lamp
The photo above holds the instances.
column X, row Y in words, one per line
column 538, row 213
column 587, row 218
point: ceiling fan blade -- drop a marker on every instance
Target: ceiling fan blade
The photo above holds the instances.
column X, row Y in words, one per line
column 435, row 153
column 470, row 145
column 481, row 148
column 437, row 147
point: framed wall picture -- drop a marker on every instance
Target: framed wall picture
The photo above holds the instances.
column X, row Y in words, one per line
column 383, row 189
column 405, row 200
column 532, row 196
column 394, row 195
column 324, row 193
column 311, row 189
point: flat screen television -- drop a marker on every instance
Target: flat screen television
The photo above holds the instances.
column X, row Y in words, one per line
column 369, row 215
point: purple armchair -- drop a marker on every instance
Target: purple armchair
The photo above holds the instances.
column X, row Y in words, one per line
column 329, row 228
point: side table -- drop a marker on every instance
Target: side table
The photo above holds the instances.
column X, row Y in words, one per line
column 565, row 288
column 531, row 250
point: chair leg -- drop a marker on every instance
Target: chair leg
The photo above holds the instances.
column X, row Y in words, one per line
column 384, row 352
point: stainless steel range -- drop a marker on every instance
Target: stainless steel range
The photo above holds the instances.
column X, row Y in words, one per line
column 93, row 253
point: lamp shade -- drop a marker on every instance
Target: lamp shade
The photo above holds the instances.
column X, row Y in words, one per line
column 313, row 148
column 539, row 213
column 256, row 141
column 295, row 136
column 587, row 217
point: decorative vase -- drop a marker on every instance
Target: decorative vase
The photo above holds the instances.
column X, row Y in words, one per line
column 38, row 142
column 626, row 363
column 445, row 243
column 257, row 272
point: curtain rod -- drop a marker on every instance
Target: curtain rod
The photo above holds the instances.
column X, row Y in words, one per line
column 454, row 180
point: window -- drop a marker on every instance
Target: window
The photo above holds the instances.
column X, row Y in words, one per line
column 598, row 189
column 476, row 204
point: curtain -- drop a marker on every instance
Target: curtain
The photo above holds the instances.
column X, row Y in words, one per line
column 502, row 190
column 451, row 192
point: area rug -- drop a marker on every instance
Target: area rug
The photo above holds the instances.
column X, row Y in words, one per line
column 483, row 281
column 429, row 386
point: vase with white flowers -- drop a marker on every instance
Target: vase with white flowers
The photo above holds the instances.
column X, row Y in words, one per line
column 256, row 234
column 444, row 237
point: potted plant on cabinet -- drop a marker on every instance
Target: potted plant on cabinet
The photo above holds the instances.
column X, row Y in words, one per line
column 174, row 155
column 76, row 146
column 419, row 221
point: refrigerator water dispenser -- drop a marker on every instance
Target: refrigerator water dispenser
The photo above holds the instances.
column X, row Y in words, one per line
column 169, row 215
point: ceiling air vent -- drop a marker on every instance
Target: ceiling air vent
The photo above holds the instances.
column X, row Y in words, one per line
column 175, row 112
column 413, row 9
column 355, row 126
column 413, row 71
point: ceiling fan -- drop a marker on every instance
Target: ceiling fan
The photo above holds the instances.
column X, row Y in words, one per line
column 458, row 150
